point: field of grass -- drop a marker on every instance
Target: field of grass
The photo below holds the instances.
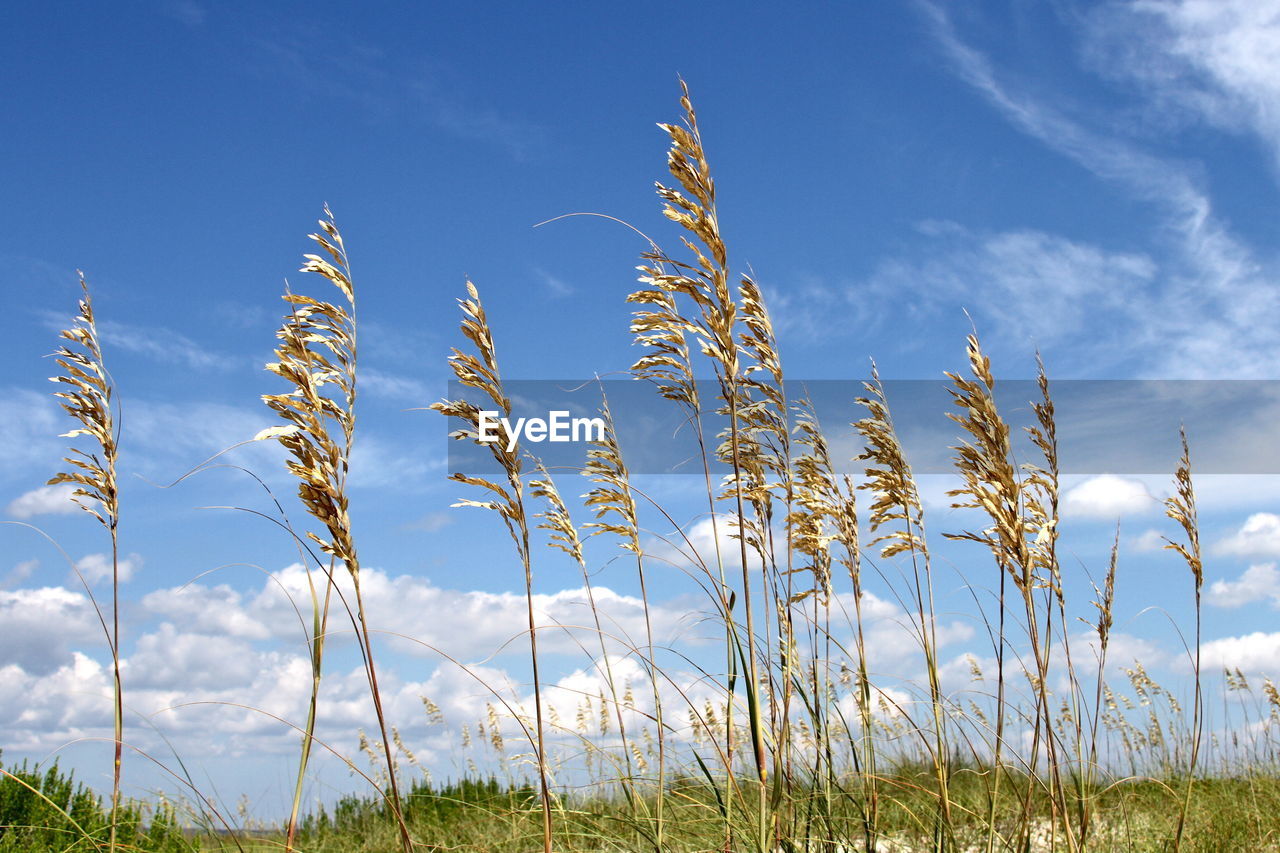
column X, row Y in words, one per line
column 789, row 744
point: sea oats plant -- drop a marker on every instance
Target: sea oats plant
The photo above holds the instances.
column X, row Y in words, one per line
column 1181, row 507
column 317, row 356
column 85, row 392
column 614, row 504
column 896, row 506
column 705, row 282
column 480, row 371
column 799, row 743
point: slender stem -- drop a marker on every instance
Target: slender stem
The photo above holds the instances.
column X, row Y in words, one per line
column 320, row 620
column 657, row 705
column 119, row 690
column 753, row 675
column 396, row 807
column 544, row 789
column 1197, row 724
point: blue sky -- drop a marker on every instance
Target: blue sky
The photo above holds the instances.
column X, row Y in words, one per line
column 1098, row 180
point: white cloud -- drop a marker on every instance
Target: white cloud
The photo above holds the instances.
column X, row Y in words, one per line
column 1019, row 284
column 1258, row 652
column 206, row 610
column 29, row 427
column 1257, row 583
column 378, row 464
column 1025, row 283
column 187, row 12
column 167, row 439
column 1201, row 319
column 164, row 345
column 1148, row 541
column 1259, row 536
column 40, row 626
column 700, row 543
column 391, row 386
column 96, row 568
column 1108, row 496
column 177, row 659
column 1215, row 60
column 45, row 500
column 432, row 522
column 554, row 285
column 19, row 573
column 466, row 624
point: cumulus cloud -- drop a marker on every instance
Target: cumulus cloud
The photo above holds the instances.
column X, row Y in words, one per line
column 46, row 500
column 1257, row 583
column 96, row 568
column 29, row 425
column 1108, row 496
column 41, row 626
column 1259, row 536
column 700, row 543
column 215, row 610
column 1258, row 652
column 1148, row 541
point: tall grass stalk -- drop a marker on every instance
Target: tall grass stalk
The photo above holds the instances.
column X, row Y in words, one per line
column 615, row 510
column 705, row 282
column 897, row 505
column 85, row 392
column 317, row 356
column 1181, row 507
column 480, row 371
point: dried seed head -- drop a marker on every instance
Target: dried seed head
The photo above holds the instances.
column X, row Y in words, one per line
column 990, row 477
column 611, row 500
column 889, row 477
column 556, row 518
column 1181, row 507
column 317, row 356
column 85, row 393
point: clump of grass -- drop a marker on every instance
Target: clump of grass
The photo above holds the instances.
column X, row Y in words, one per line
column 815, row 760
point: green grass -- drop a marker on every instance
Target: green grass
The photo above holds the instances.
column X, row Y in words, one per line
column 49, row 811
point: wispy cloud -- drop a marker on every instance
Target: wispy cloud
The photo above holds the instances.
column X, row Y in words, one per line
column 386, row 87
column 393, row 386
column 29, row 425
column 187, row 12
column 432, row 522
column 1214, row 61
column 554, row 285
column 45, row 500
column 1215, row 288
column 1022, row 287
column 162, row 344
